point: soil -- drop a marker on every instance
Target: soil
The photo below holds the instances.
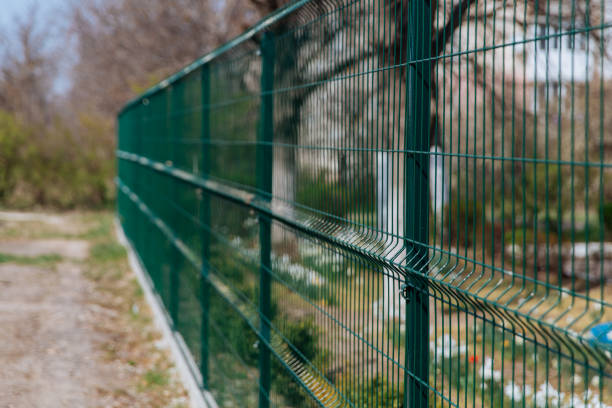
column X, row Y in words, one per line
column 74, row 249
column 72, row 333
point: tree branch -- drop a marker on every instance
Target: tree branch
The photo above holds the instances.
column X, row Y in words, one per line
column 445, row 34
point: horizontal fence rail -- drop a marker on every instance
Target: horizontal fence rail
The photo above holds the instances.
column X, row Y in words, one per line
column 385, row 203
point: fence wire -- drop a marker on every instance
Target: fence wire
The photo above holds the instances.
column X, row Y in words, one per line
column 386, row 203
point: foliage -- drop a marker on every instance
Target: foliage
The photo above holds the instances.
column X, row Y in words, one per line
column 107, row 251
column 54, row 166
column 57, row 146
column 11, row 140
column 303, row 336
column 235, row 334
column 466, row 220
column 377, row 391
column 154, row 378
column 606, row 215
column 336, row 197
column 476, row 379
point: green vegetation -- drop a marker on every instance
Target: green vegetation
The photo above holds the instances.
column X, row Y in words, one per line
column 303, row 336
column 606, row 217
column 156, row 378
column 377, row 391
column 107, row 252
column 478, row 382
column 119, row 311
column 234, row 346
column 108, row 268
column 102, row 227
column 466, row 219
column 40, row 260
column 11, row 139
column 52, row 166
column 338, row 198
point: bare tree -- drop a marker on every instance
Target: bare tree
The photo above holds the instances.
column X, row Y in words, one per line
column 28, row 69
column 125, row 46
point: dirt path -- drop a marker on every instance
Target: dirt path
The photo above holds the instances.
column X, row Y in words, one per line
column 74, row 328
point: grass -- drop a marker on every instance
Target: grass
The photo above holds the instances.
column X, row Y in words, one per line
column 156, row 378
column 106, row 251
column 39, row 260
column 108, row 267
column 131, row 340
column 461, row 378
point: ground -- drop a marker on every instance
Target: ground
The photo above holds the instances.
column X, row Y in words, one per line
column 75, row 328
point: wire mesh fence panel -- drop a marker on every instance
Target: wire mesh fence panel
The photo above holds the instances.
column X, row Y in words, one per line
column 385, row 203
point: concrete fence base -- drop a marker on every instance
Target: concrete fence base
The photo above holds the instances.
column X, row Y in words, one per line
column 186, row 366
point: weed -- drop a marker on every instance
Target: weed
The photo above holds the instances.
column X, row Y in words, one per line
column 107, row 252
column 102, row 229
column 40, row 260
column 156, row 378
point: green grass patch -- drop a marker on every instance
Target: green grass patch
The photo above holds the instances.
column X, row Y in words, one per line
column 156, row 378
column 39, row 260
column 137, row 292
column 107, row 252
column 101, row 229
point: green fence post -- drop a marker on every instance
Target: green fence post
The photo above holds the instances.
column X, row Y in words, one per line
column 205, row 222
column 416, row 199
column 264, row 184
column 176, row 100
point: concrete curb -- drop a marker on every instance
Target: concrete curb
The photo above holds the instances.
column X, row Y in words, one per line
column 186, row 366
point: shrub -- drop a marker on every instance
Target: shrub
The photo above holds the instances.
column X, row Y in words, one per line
column 376, row 391
column 56, row 166
column 466, row 221
column 606, row 217
column 12, row 137
column 304, row 336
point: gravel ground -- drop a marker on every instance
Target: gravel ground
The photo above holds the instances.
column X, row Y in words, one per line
column 75, row 329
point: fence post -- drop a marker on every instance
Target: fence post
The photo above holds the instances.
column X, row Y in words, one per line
column 416, row 199
column 175, row 135
column 205, row 222
column 264, row 184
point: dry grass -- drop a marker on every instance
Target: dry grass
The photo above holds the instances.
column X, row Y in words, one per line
column 133, row 369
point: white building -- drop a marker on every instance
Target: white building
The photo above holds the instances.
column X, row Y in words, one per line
column 557, row 58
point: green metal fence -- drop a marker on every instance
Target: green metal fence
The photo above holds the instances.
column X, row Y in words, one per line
column 398, row 203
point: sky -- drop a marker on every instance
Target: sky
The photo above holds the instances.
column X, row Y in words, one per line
column 12, row 10
column 9, row 9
